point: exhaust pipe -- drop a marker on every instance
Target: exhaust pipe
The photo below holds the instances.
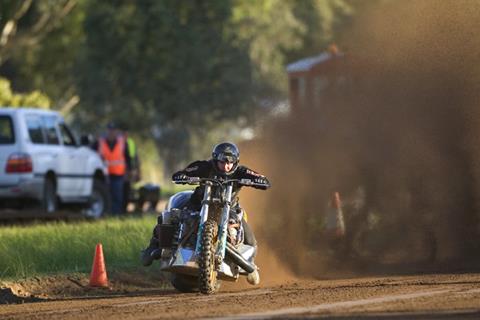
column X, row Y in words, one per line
column 237, row 257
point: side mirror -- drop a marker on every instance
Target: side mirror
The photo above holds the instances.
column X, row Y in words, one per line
column 86, row 140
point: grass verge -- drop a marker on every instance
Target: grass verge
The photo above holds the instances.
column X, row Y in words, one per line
column 39, row 249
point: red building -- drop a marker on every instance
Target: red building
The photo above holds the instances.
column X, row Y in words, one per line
column 312, row 79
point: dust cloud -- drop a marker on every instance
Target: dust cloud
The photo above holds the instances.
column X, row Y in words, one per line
column 400, row 142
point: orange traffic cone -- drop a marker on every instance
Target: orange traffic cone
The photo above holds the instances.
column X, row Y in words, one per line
column 335, row 225
column 340, row 223
column 98, row 277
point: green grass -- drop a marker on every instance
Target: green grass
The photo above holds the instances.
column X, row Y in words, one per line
column 27, row 251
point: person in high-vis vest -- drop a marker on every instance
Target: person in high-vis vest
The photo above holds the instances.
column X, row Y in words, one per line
column 133, row 174
column 114, row 151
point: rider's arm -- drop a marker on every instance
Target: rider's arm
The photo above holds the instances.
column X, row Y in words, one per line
column 246, row 173
column 194, row 169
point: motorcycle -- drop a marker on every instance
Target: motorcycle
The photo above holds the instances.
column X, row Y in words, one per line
column 199, row 249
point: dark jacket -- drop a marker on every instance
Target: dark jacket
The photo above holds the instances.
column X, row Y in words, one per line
column 208, row 169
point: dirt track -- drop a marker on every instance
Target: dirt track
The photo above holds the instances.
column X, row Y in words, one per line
column 420, row 297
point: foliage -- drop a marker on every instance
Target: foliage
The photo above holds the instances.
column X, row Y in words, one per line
column 281, row 31
column 32, row 99
column 324, row 21
column 269, row 26
column 25, row 23
column 42, row 47
column 150, row 161
column 60, row 247
column 182, row 72
column 42, row 67
column 165, row 65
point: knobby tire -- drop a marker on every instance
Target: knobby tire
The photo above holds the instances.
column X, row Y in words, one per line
column 208, row 282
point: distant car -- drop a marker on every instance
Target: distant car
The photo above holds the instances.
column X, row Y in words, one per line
column 42, row 163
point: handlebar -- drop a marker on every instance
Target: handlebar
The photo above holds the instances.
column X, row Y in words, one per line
column 211, row 181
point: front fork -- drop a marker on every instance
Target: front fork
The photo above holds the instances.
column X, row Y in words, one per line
column 222, row 230
column 203, row 216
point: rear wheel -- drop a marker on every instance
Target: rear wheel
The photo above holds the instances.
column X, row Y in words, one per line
column 49, row 200
column 184, row 283
column 99, row 202
column 208, row 282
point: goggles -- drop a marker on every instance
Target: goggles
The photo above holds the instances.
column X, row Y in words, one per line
column 228, row 158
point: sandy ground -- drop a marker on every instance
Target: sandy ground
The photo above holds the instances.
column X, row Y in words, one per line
column 442, row 296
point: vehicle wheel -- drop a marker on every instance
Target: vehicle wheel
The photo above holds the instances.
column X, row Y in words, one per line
column 152, row 206
column 184, row 283
column 208, row 282
column 49, row 201
column 99, row 203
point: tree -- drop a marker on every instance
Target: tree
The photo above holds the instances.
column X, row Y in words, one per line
column 177, row 69
column 24, row 23
column 11, row 99
column 324, row 22
column 38, row 46
column 280, row 31
column 167, row 66
column 269, row 27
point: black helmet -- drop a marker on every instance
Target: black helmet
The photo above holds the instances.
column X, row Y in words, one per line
column 227, row 152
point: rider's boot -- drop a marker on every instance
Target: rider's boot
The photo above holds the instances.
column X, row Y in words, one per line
column 254, row 277
column 150, row 253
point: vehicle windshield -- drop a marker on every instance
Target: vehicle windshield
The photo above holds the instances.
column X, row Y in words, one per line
column 6, row 130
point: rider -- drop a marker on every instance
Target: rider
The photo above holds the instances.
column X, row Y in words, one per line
column 223, row 165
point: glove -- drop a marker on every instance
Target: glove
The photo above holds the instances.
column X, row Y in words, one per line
column 261, row 180
column 180, row 177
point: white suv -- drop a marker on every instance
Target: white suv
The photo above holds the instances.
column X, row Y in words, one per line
column 41, row 161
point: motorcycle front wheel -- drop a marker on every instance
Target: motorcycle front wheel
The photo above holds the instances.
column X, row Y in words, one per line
column 208, row 282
